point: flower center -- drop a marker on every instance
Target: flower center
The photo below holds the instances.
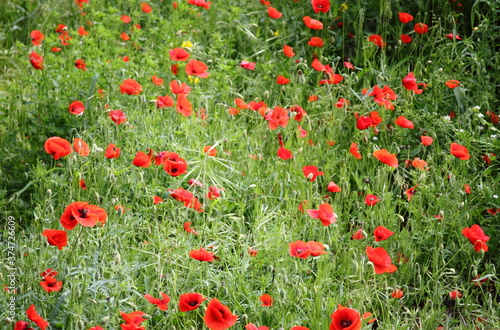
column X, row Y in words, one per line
column 83, row 213
column 192, row 303
column 345, row 323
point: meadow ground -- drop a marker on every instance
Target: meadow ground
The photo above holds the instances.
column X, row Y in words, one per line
column 292, row 164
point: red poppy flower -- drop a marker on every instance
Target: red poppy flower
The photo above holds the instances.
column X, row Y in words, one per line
column 188, row 198
column 311, row 172
column 385, row 157
column 131, row 87
column 174, row 165
column 157, row 81
column 284, row 153
column 57, row 147
column 247, row 65
column 55, row 237
column 134, row 318
column 348, row 65
column 126, row 19
column 377, row 40
column 332, row 79
column 36, row 60
column 300, row 249
column 164, row 101
column 381, row 233
column 316, row 42
column 325, row 213
column 401, row 121
column 197, row 68
column 277, row 117
column 316, row 248
column 49, row 282
column 35, row 317
column 218, row 316
column 410, row 192
column 405, row 18
column 190, row 301
column 333, row 188
column 398, row 294
column 451, row 36
column 22, row 325
column 36, row 37
column 141, row 160
column 84, row 214
column 312, row 23
column 341, row 102
column 273, row 12
column 161, row 303
column 187, row 227
column 112, row 151
column 76, row 108
column 421, row 28
column 124, row 36
column 200, row 3
column 345, row 319
column 358, row 235
column 363, row 122
column 56, row 49
column 299, row 327
column 266, row 300
column 82, row 32
column 96, row 328
column 179, row 54
column 282, row 80
column 81, row 147
column 476, row 236
column 210, row 151
column 467, row 189
column 410, row 83
column 353, row 149
column 426, row 140
column 214, row 192
column 80, row 64
column 202, row 255
column 251, row 326
column 177, row 88
column 455, row 294
column 452, row 84
column 145, row 7
column 383, row 96
column 157, row 200
column 371, row 200
column 419, row 163
column 406, row 39
column 183, row 106
column 288, row 51
column 459, row 151
column 82, row 184
column 320, row 6
column 381, row 260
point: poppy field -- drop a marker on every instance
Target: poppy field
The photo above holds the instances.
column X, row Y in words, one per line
column 291, row 164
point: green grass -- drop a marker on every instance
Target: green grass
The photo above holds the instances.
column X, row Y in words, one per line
column 145, row 250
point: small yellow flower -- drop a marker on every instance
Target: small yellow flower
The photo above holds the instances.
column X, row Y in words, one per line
column 193, row 80
column 343, row 7
column 187, row 44
column 277, row 33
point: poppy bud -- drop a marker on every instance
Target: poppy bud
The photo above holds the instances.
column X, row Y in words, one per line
column 81, row 324
column 310, row 176
column 244, row 318
column 118, row 259
column 252, row 186
column 97, row 196
column 93, row 301
column 49, row 192
column 105, row 320
column 474, row 273
column 146, row 316
column 282, row 293
column 461, row 205
column 266, row 94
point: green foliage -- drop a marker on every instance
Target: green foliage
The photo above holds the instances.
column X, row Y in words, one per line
column 143, row 248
